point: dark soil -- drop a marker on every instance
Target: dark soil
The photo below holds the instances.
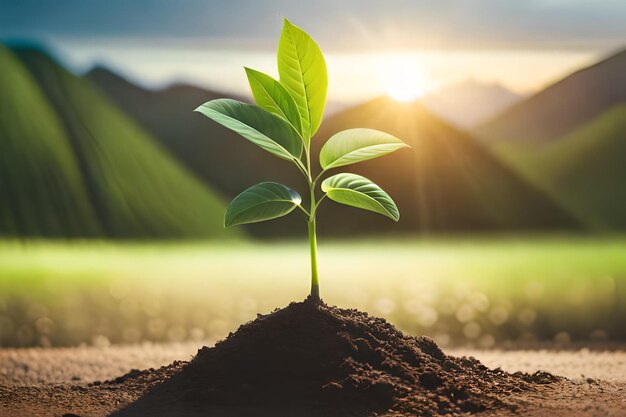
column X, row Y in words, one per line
column 310, row 359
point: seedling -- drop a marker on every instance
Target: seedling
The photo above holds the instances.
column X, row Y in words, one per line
column 287, row 115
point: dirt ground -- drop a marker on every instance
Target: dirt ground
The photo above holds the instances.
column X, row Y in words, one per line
column 54, row 382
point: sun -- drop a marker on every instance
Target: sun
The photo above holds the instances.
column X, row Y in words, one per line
column 402, row 77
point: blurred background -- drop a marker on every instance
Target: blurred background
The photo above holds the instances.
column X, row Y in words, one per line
column 513, row 196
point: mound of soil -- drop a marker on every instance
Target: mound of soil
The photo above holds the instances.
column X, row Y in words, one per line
column 310, row 359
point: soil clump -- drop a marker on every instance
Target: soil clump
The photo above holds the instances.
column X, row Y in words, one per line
column 311, row 359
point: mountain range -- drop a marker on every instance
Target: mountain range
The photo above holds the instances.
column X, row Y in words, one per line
column 448, row 182
column 107, row 158
column 469, row 103
column 563, row 106
column 570, row 140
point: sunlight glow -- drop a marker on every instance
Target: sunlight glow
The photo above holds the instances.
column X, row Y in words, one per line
column 402, row 77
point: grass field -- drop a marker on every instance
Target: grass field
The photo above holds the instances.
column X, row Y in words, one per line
column 480, row 292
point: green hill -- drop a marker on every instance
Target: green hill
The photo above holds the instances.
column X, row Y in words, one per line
column 562, row 107
column 41, row 188
column 447, row 182
column 584, row 169
column 134, row 189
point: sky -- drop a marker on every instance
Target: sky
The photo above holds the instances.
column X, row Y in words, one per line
column 371, row 46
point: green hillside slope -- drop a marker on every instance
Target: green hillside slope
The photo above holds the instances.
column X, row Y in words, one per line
column 586, row 169
column 446, row 182
column 41, row 187
column 135, row 188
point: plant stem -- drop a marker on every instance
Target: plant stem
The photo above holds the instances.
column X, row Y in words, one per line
column 315, row 285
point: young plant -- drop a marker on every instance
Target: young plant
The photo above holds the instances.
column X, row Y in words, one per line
column 287, row 115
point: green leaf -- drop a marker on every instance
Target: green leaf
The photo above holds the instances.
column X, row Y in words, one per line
column 356, row 145
column 303, row 72
column 263, row 201
column 259, row 126
column 271, row 95
column 357, row 191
